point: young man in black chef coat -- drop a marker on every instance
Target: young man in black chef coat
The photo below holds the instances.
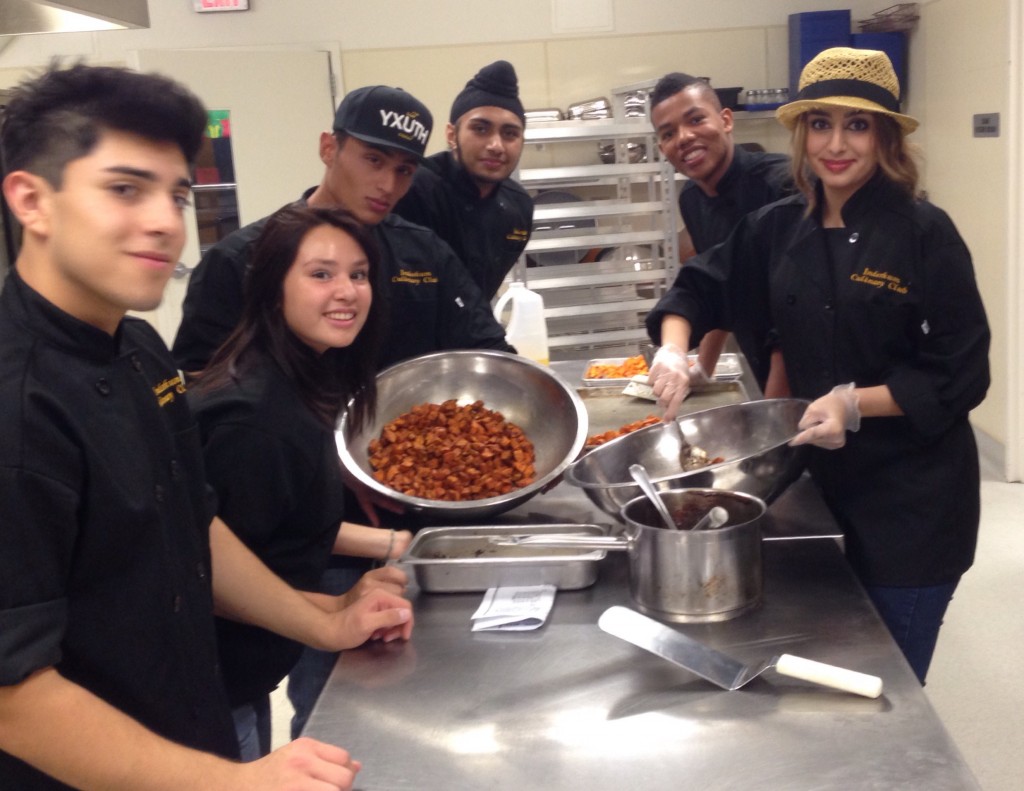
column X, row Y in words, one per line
column 725, row 183
column 111, row 561
column 370, row 156
column 466, row 194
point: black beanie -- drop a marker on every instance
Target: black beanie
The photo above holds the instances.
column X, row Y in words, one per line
column 495, row 85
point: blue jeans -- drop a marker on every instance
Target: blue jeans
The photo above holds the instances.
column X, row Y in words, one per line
column 309, row 675
column 252, row 726
column 913, row 616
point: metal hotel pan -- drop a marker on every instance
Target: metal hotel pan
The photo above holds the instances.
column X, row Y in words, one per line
column 459, row 559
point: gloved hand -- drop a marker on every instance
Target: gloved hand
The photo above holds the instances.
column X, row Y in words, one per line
column 826, row 421
column 670, row 378
column 698, row 376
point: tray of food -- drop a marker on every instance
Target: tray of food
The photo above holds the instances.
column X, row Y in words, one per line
column 620, row 371
column 465, row 558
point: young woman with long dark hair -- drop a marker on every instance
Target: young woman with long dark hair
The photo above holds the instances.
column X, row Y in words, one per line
column 267, row 407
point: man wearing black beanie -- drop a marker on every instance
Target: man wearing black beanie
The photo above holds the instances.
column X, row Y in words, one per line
column 465, row 195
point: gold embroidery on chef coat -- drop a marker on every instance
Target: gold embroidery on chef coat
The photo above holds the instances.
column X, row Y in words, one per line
column 414, row 278
column 166, row 390
column 876, row 279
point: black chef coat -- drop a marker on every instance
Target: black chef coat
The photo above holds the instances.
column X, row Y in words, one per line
column 284, row 500
column 487, row 234
column 753, row 180
column 901, row 308
column 104, row 519
column 431, row 302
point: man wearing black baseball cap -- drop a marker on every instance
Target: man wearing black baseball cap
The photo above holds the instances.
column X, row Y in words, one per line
column 466, row 194
column 377, row 143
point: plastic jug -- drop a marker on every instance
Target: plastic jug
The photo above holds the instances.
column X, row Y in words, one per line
column 526, row 328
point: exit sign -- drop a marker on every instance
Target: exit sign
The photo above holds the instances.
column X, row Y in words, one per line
column 206, row 6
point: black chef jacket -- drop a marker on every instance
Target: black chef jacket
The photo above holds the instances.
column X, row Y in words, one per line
column 753, row 180
column 104, row 518
column 431, row 302
column 487, row 234
column 285, row 502
column 899, row 307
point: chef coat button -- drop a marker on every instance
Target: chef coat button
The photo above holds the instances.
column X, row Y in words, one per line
column 854, row 237
column 136, row 362
column 103, row 387
column 158, row 493
column 177, row 604
column 175, row 470
column 201, row 570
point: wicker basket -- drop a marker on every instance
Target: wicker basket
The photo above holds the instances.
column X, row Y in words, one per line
column 900, row 17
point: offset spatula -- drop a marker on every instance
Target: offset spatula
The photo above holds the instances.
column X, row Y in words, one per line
column 721, row 669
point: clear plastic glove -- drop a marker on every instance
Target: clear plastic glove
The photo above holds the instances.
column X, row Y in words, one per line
column 698, row 376
column 670, row 378
column 826, row 421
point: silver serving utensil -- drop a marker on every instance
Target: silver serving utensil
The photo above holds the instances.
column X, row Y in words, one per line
column 721, row 669
column 716, row 517
column 639, row 473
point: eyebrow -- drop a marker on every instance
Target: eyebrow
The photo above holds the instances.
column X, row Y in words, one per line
column 847, row 114
column 145, row 175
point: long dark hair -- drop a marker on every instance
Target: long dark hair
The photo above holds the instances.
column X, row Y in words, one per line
column 325, row 382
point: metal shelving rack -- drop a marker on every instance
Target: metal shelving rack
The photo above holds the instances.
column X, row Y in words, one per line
column 603, row 255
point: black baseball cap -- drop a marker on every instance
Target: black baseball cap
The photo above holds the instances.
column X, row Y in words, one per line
column 384, row 116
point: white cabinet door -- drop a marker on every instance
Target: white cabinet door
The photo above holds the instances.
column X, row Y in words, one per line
column 279, row 102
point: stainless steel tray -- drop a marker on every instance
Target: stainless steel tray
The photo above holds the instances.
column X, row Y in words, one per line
column 727, row 369
column 458, row 559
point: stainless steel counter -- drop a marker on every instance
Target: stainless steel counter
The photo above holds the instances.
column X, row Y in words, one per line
column 570, row 707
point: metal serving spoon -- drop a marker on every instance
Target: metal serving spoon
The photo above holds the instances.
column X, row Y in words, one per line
column 716, row 517
column 639, row 473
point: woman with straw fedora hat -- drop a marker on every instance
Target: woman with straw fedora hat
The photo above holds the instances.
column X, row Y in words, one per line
column 869, row 291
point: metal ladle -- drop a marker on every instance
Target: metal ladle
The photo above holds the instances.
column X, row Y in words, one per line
column 639, row 473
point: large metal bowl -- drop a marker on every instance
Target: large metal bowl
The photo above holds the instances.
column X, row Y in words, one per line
column 530, row 395
column 752, row 438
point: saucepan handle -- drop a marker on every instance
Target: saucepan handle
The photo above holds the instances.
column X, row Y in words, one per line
column 829, row 675
column 567, row 541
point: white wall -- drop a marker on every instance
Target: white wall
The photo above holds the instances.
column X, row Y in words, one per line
column 959, row 67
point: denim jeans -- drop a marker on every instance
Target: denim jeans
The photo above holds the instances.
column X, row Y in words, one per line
column 252, row 726
column 913, row 616
column 309, row 675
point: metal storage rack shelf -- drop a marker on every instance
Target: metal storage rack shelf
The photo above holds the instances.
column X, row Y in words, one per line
column 602, row 253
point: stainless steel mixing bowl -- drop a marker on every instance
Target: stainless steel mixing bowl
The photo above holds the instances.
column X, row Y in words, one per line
column 752, row 438
column 530, row 395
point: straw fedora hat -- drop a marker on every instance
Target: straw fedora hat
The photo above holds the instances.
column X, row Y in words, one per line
column 860, row 79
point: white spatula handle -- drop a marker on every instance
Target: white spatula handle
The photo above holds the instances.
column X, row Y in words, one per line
column 829, row 675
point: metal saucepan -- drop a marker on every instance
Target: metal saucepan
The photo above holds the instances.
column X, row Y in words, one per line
column 686, row 576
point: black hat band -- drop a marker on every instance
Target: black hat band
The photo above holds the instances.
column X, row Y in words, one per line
column 860, row 89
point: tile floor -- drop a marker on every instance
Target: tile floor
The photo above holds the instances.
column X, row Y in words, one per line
column 975, row 682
